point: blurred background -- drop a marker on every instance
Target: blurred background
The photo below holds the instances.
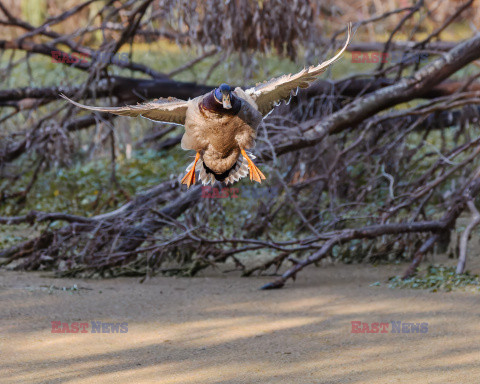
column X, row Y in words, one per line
column 408, row 160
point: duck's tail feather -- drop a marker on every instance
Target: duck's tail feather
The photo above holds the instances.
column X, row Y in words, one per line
column 237, row 172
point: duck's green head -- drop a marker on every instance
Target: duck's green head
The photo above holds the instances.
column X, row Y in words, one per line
column 223, row 95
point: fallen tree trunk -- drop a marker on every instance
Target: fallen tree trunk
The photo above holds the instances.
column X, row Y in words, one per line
column 127, row 89
column 404, row 90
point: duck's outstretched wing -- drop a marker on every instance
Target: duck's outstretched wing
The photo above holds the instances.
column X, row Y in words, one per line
column 169, row 110
column 268, row 94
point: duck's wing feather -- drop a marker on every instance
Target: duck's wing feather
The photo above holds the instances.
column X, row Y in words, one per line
column 169, row 110
column 268, row 94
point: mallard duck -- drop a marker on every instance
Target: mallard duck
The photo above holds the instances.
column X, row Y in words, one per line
column 221, row 125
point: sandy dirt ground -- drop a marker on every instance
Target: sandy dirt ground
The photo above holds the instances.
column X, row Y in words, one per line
column 213, row 329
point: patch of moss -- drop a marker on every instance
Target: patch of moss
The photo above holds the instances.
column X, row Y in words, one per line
column 439, row 278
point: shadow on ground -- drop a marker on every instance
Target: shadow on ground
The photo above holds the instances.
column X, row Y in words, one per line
column 214, row 329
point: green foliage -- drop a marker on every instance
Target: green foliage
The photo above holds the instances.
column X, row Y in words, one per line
column 439, row 278
column 34, row 11
column 43, row 72
column 9, row 237
column 87, row 189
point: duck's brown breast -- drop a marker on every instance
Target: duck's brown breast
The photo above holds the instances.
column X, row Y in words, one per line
column 217, row 135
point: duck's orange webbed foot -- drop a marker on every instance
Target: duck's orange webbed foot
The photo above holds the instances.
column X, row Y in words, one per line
column 255, row 173
column 189, row 178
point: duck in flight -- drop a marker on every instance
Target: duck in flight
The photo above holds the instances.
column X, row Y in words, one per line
column 221, row 125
